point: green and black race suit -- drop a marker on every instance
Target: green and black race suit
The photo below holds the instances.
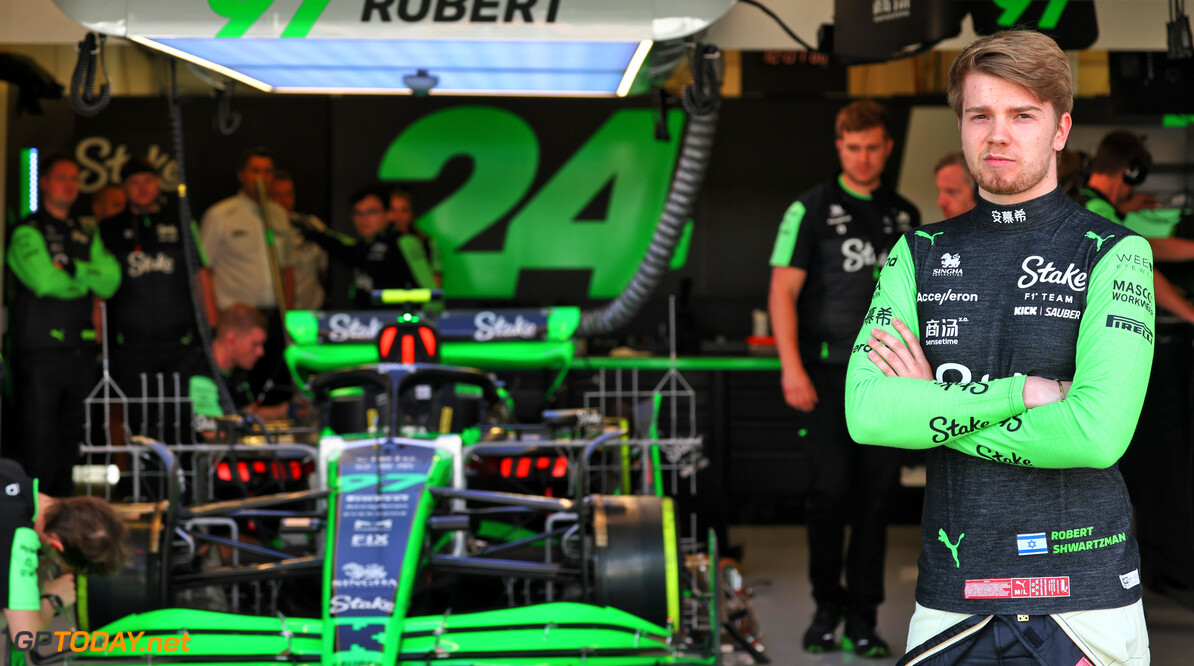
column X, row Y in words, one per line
column 58, row 266
column 840, row 238
column 19, row 544
column 153, row 306
column 1025, row 511
column 389, row 260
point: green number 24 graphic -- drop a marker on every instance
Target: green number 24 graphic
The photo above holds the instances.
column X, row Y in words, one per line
column 545, row 233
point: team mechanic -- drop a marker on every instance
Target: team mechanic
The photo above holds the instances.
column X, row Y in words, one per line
column 1121, row 164
column 1027, row 553
column 84, row 531
column 827, row 255
column 383, row 257
column 151, row 319
column 58, row 266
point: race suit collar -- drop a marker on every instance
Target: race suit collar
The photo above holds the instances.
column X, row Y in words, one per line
column 1045, row 209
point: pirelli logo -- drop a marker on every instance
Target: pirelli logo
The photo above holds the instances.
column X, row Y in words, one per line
column 1128, row 324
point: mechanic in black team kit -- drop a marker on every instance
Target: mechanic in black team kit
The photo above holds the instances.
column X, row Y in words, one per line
column 383, row 257
column 1018, row 355
column 829, row 250
column 58, row 267
column 151, row 319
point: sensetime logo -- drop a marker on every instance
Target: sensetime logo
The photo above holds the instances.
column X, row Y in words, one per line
column 100, row 641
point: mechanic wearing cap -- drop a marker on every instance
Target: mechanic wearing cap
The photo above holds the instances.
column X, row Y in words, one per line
column 828, row 253
column 58, row 267
column 1120, row 165
column 383, row 257
column 87, row 535
column 151, row 318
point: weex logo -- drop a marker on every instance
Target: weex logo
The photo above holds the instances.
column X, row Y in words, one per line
column 101, row 641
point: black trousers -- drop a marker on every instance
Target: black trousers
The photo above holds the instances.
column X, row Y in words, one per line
column 848, row 484
column 999, row 640
column 50, row 387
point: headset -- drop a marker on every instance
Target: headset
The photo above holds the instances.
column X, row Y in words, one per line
column 1137, row 169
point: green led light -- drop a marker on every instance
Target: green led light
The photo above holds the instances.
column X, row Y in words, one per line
column 28, row 181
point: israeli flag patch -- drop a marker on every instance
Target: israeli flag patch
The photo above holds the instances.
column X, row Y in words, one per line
column 1032, row 544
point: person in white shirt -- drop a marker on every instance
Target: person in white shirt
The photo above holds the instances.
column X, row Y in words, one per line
column 235, row 240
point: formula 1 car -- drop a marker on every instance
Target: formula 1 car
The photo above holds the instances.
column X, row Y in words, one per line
column 407, row 561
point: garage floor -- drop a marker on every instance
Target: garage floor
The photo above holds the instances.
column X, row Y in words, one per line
column 775, row 565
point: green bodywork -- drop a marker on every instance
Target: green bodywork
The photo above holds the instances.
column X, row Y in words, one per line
column 557, row 633
column 560, row 634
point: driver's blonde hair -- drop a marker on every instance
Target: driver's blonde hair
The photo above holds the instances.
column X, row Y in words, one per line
column 1023, row 57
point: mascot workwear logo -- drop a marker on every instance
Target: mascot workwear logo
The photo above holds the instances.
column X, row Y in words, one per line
column 1036, row 270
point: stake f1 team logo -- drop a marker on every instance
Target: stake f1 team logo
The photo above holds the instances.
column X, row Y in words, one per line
column 1036, row 270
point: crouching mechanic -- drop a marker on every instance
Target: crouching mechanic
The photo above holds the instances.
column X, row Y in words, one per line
column 1013, row 359
column 84, row 531
column 239, row 342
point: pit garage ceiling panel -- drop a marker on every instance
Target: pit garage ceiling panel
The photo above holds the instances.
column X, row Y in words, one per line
column 476, row 20
column 502, row 47
column 378, row 66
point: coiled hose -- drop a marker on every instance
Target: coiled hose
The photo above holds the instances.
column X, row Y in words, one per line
column 82, row 98
column 701, row 100
column 191, row 249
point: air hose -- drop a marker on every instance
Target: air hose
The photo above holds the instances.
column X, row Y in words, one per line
column 191, row 249
column 701, row 100
column 82, row 98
